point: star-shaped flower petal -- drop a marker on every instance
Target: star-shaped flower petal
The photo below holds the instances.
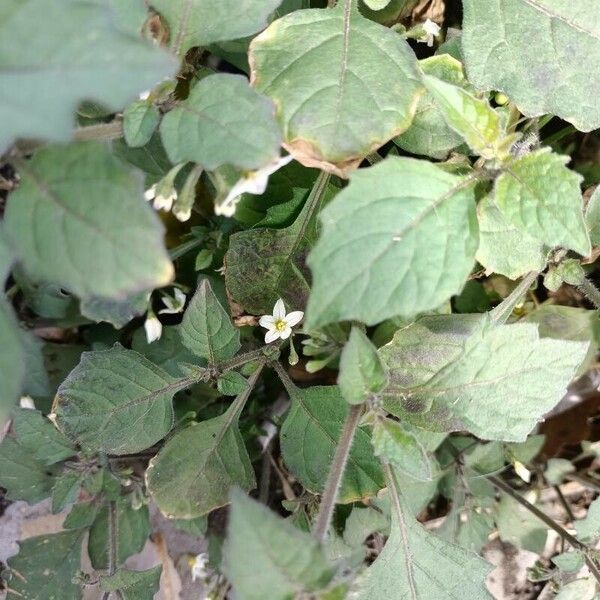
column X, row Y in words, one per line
column 279, row 324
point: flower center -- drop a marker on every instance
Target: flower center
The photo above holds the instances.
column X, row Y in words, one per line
column 280, row 325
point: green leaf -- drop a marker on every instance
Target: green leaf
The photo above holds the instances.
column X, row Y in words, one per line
column 207, row 329
column 152, row 158
column 451, row 372
column 37, row 435
column 133, row 529
column 468, row 523
column 65, row 490
column 346, row 91
column 22, row 475
column 194, row 471
column 580, row 589
column 83, row 56
column 361, row 523
column 361, row 371
column 12, row 359
column 222, row 122
column 168, row 352
column 519, row 527
column 540, row 53
column 6, row 258
column 399, row 240
column 116, row 312
column 503, row 248
column 539, row 195
column 192, row 474
column 419, row 565
column 285, row 561
column 81, row 515
column 78, row 211
column 140, row 120
column 592, row 217
column 133, row 585
column 570, row 562
column 402, row 449
column 231, row 383
column 568, row 323
column 264, row 265
column 309, row 437
column 556, row 469
column 428, row 134
column 47, row 564
column 116, row 401
column 203, row 22
column 35, row 382
column 282, row 200
column 588, row 529
column 471, row 117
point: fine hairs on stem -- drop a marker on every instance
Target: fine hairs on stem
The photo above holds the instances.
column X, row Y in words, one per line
column 562, row 532
column 336, row 473
column 590, row 291
column 338, row 465
column 113, row 537
column 501, row 313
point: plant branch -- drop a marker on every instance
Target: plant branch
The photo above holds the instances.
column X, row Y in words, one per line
column 288, row 384
column 590, row 291
column 112, row 542
column 237, row 406
column 501, row 313
column 336, row 473
column 102, row 131
column 241, row 359
column 550, row 522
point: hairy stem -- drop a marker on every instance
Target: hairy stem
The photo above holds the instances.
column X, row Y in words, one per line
column 591, row 292
column 241, row 359
column 501, row 313
column 112, row 537
column 102, row 131
column 336, row 472
column 112, row 543
column 562, row 532
column 288, row 384
column 374, row 158
column 237, row 406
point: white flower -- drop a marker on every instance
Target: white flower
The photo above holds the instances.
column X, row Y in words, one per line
column 522, row 471
column 199, row 566
column 182, row 214
column 253, row 182
column 153, row 328
column 26, row 402
column 174, row 305
column 279, row 324
column 431, row 30
column 145, row 95
column 150, row 193
column 162, row 201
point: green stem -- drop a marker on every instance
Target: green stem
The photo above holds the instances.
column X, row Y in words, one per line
column 501, row 313
column 314, row 199
column 374, row 158
column 336, row 473
column 542, row 516
column 241, row 359
column 288, row 384
column 237, row 406
column 112, row 537
column 102, row 131
column 591, row 292
column 112, row 542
